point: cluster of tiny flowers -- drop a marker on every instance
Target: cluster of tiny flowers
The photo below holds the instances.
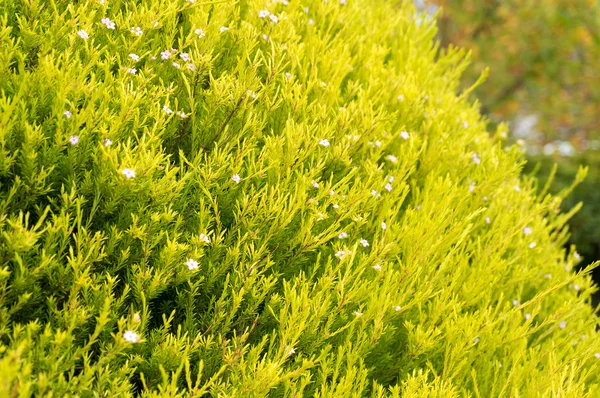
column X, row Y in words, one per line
column 132, row 71
column 200, row 33
column 165, row 54
column 83, row 34
column 324, row 142
column 134, row 57
column 364, row 242
column 136, row 30
column 108, row 23
column 236, row 178
column 74, row 139
column 167, row 110
column 343, row 235
column 67, row 114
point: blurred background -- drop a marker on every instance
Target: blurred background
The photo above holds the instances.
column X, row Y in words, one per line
column 544, row 80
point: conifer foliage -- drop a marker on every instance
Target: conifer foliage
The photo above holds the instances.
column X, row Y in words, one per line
column 250, row 198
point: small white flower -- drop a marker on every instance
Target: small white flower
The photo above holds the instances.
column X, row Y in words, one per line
column 488, row 220
column 390, row 178
column 343, row 235
column 517, row 188
column 204, row 238
column 383, row 225
column 405, row 135
column 107, row 142
column 108, row 23
column 182, row 114
column 320, row 216
column 548, row 276
column 131, row 336
column 485, row 198
column 476, row 159
column 323, row 84
column 288, row 75
column 236, row 178
column 67, row 114
column 532, row 245
column 273, row 18
column 401, row 97
column 465, row 124
column 388, row 187
column 200, row 33
column 527, row 231
column 314, row 184
column 83, row 34
column 515, row 302
column 263, row 13
column 336, row 206
column 175, row 64
column 311, row 22
column 357, row 313
column 74, row 139
column 576, row 287
column 132, row 71
column 306, row 10
column 153, row 58
column 136, row 30
column 364, row 242
column 331, row 192
column 185, row 57
column 378, row 144
column 340, row 254
column 375, row 193
column 134, row 57
column 223, row 29
column 527, row 316
column 377, row 267
column 597, row 355
column 577, row 256
column 392, row 158
column 343, row 2
column 476, row 340
column 167, row 110
column 562, row 324
column 290, row 351
column 165, row 54
column 324, row 142
column 397, row 308
column 472, row 187
column 128, row 173
column 191, row 264
column 191, row 67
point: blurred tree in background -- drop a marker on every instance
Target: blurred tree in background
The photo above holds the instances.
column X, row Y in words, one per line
column 544, row 60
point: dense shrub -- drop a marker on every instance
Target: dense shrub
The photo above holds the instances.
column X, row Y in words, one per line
column 206, row 199
column 584, row 224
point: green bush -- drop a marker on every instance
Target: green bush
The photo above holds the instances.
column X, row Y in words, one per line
column 295, row 204
column 585, row 233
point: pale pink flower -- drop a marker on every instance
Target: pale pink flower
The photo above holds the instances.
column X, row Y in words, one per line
column 74, row 139
column 128, row 173
column 236, row 178
column 83, row 34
